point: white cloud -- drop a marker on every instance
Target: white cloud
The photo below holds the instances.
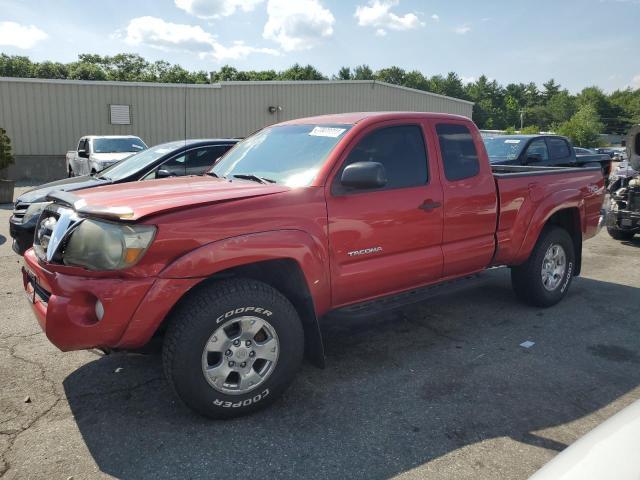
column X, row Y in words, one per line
column 13, row 34
column 381, row 32
column 215, row 8
column 297, row 24
column 470, row 79
column 156, row 33
column 435, row 17
column 462, row 29
column 635, row 82
column 378, row 14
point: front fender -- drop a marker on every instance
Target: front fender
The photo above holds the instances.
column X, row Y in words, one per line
column 221, row 255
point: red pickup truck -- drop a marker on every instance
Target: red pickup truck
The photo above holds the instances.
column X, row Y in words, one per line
column 348, row 213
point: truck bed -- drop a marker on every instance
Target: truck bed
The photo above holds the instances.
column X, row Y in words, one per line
column 526, row 193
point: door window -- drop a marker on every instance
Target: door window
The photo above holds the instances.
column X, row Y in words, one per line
column 558, row 148
column 175, row 167
column 459, row 153
column 401, row 150
column 537, row 148
column 200, row 160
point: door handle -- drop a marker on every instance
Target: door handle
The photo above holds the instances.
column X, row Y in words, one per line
column 429, row 205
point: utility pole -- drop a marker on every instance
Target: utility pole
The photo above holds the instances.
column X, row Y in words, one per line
column 521, row 119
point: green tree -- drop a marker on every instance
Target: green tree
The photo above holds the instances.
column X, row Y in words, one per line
column 415, row 79
column 344, row 74
column 6, row 156
column 51, row 70
column 393, row 75
column 15, row 66
column 583, row 128
column 86, row 71
column 363, row 72
column 298, row 72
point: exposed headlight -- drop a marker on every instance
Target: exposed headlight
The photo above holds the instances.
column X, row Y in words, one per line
column 99, row 245
column 34, row 210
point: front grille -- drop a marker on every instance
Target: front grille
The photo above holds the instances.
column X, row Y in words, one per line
column 52, row 231
column 19, row 209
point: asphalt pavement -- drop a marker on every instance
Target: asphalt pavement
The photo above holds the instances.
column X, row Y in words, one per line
column 441, row 389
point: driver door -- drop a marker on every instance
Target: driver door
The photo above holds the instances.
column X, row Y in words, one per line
column 387, row 239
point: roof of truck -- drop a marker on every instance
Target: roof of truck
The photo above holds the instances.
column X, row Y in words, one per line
column 355, row 117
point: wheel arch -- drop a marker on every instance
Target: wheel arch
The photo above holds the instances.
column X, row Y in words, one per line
column 291, row 261
column 568, row 217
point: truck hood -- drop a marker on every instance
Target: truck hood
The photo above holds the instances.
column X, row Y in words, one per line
column 40, row 193
column 110, row 157
column 133, row 201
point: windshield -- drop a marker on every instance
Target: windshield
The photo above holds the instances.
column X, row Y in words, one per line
column 288, row 154
column 117, row 145
column 500, row 148
column 139, row 161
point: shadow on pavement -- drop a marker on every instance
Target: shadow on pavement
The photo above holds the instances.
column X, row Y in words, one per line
column 398, row 390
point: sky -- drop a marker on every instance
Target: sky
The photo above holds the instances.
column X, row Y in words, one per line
column 579, row 43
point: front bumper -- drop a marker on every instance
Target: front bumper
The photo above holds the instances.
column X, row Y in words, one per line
column 623, row 220
column 22, row 234
column 65, row 306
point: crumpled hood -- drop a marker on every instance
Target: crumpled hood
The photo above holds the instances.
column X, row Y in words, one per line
column 39, row 193
column 151, row 197
column 110, row 157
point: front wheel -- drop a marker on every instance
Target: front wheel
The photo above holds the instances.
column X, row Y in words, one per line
column 544, row 279
column 232, row 347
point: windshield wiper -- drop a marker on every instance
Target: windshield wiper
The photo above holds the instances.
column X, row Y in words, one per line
column 213, row 174
column 255, row 178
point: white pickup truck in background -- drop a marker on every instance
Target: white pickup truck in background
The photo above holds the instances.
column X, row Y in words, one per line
column 95, row 153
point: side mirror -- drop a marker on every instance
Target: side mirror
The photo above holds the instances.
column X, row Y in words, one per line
column 162, row 173
column 364, row 175
column 83, row 154
column 534, row 158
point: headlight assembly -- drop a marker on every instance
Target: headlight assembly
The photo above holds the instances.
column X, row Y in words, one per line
column 100, row 245
column 34, row 210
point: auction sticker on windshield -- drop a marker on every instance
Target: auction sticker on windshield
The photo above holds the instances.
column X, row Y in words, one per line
column 327, row 132
column 512, row 141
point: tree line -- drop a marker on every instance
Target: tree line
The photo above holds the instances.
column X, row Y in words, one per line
column 501, row 107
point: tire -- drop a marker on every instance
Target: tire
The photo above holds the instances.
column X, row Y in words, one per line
column 618, row 234
column 528, row 279
column 217, row 316
column 70, row 173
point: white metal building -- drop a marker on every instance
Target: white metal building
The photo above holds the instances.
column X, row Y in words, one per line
column 45, row 118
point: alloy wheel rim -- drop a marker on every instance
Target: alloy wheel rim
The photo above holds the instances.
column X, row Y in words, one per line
column 240, row 355
column 554, row 265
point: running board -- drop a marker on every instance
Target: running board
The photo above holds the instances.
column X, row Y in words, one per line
column 409, row 297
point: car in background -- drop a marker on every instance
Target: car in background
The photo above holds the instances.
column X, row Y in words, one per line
column 173, row 159
column 543, row 151
column 95, row 153
column 606, row 151
column 583, row 151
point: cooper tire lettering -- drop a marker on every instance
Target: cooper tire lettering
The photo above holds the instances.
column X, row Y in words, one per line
column 242, row 403
column 238, row 311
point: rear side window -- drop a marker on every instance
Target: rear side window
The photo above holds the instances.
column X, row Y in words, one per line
column 458, row 151
column 558, row 148
column 401, row 150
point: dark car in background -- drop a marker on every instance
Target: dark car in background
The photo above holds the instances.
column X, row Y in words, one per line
column 173, row 159
column 543, row 151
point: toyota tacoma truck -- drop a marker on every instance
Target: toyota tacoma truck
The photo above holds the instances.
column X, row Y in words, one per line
column 343, row 214
column 95, row 153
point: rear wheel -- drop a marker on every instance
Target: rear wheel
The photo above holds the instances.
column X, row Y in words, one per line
column 544, row 279
column 620, row 234
column 70, row 172
column 232, row 348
